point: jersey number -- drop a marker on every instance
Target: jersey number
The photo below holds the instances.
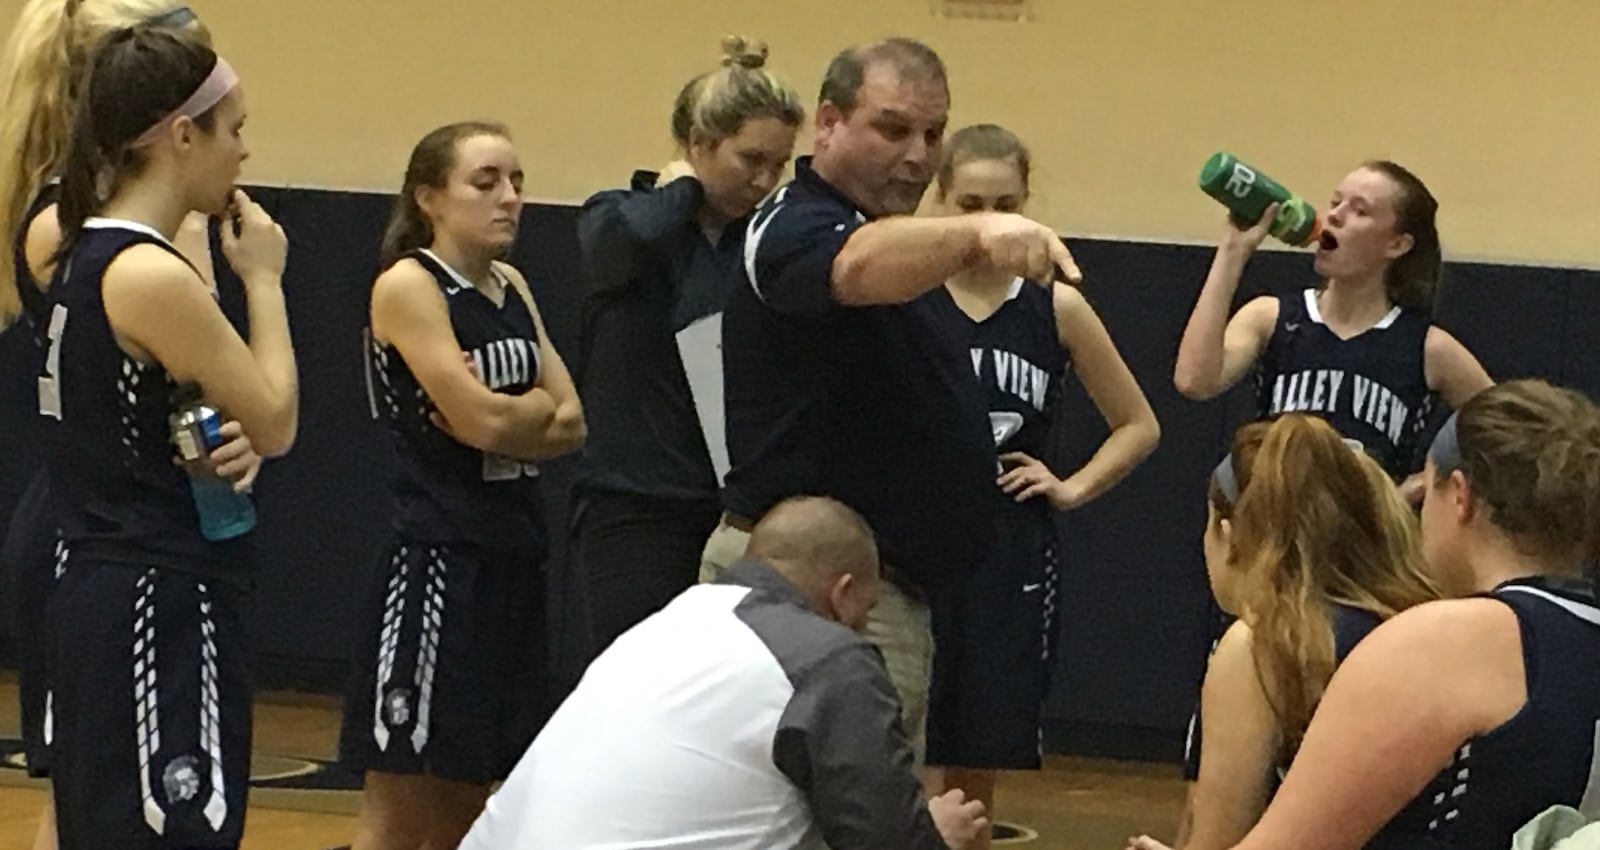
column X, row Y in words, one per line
column 49, row 384
column 1005, row 424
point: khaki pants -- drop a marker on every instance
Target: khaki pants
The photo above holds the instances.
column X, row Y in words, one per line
column 899, row 626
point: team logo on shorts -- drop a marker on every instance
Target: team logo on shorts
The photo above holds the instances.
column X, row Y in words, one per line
column 397, row 707
column 181, row 779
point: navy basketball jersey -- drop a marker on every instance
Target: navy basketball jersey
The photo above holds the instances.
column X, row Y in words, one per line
column 443, row 491
column 1350, row 625
column 1370, row 388
column 123, row 498
column 1542, row 757
column 1017, row 356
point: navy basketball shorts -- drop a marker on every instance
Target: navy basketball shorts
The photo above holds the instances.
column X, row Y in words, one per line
column 33, row 557
column 994, row 643
column 452, row 678
column 152, row 709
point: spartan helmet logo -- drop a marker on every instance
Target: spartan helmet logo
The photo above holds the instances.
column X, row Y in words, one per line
column 181, row 779
column 397, row 707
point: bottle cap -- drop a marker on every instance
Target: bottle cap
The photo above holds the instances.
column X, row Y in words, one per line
column 1316, row 231
column 1212, row 171
column 187, row 393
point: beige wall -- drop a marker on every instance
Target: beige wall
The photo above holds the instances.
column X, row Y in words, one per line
column 1493, row 102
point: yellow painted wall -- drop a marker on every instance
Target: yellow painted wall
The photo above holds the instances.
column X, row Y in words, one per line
column 1496, row 103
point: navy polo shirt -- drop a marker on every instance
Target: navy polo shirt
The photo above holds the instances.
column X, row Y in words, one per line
column 877, row 406
column 654, row 289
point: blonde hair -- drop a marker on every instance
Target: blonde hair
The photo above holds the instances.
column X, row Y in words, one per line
column 1317, row 525
column 45, row 58
column 714, row 105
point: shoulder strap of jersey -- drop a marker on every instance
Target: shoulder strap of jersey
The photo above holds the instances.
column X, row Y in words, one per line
column 940, row 298
column 1044, row 301
column 525, row 297
column 502, row 277
column 441, row 275
column 1292, row 307
column 49, row 193
column 125, row 238
column 28, row 291
column 165, row 246
column 1043, row 298
column 1418, row 322
column 1294, row 316
column 1575, row 596
column 1291, row 315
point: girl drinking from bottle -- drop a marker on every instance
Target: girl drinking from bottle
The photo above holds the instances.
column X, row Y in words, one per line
column 451, row 683
column 152, row 688
column 1360, row 350
column 995, row 633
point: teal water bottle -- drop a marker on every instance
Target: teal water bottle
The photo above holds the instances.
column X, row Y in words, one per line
column 1247, row 193
column 196, row 432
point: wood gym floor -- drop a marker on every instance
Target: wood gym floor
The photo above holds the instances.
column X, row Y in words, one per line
column 302, row 803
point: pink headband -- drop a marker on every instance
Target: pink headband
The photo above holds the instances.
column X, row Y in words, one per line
column 215, row 87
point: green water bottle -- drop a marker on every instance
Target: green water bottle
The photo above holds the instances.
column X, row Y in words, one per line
column 1247, row 193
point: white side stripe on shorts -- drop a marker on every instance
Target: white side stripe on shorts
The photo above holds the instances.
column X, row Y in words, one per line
column 216, row 809
column 144, row 695
column 389, row 642
column 49, row 721
column 428, row 647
